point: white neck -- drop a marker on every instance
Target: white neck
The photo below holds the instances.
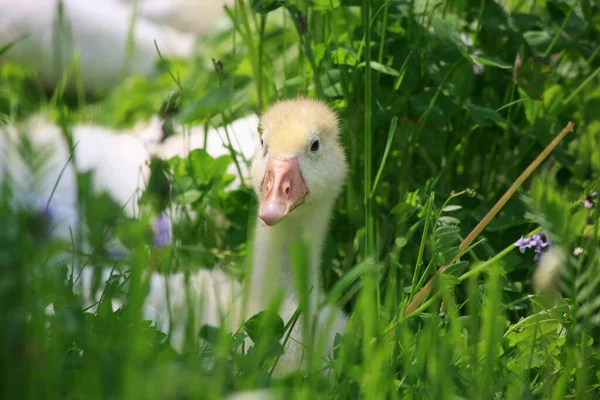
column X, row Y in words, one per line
column 272, row 270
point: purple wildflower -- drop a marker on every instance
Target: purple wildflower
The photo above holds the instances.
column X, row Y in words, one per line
column 538, row 242
column 541, row 242
column 523, row 243
column 162, row 230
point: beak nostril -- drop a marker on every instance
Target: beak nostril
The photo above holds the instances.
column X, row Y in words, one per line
column 287, row 190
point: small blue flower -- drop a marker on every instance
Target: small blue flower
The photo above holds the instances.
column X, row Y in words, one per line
column 524, row 243
column 162, row 230
column 538, row 242
column 541, row 240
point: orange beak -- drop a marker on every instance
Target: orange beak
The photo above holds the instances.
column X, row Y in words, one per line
column 282, row 190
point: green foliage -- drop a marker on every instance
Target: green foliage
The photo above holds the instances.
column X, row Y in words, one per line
column 464, row 95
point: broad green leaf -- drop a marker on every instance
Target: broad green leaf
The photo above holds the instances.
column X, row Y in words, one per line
column 483, row 116
column 265, row 324
column 210, row 333
column 491, row 61
column 446, row 236
column 204, row 168
column 449, row 220
column 344, row 56
column 189, row 197
column 381, row 68
column 537, row 39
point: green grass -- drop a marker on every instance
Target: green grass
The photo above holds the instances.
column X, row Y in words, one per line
column 432, row 146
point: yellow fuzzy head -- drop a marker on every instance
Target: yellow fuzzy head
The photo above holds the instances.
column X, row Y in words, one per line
column 289, row 125
column 306, row 131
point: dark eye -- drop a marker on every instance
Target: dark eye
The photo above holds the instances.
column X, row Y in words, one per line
column 314, row 146
column 265, row 148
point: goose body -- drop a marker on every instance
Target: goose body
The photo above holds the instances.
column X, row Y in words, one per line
column 297, row 173
column 297, row 182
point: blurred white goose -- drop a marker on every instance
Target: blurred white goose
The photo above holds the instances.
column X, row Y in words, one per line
column 98, row 31
column 118, row 159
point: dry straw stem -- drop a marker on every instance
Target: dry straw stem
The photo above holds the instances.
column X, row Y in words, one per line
column 424, row 292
